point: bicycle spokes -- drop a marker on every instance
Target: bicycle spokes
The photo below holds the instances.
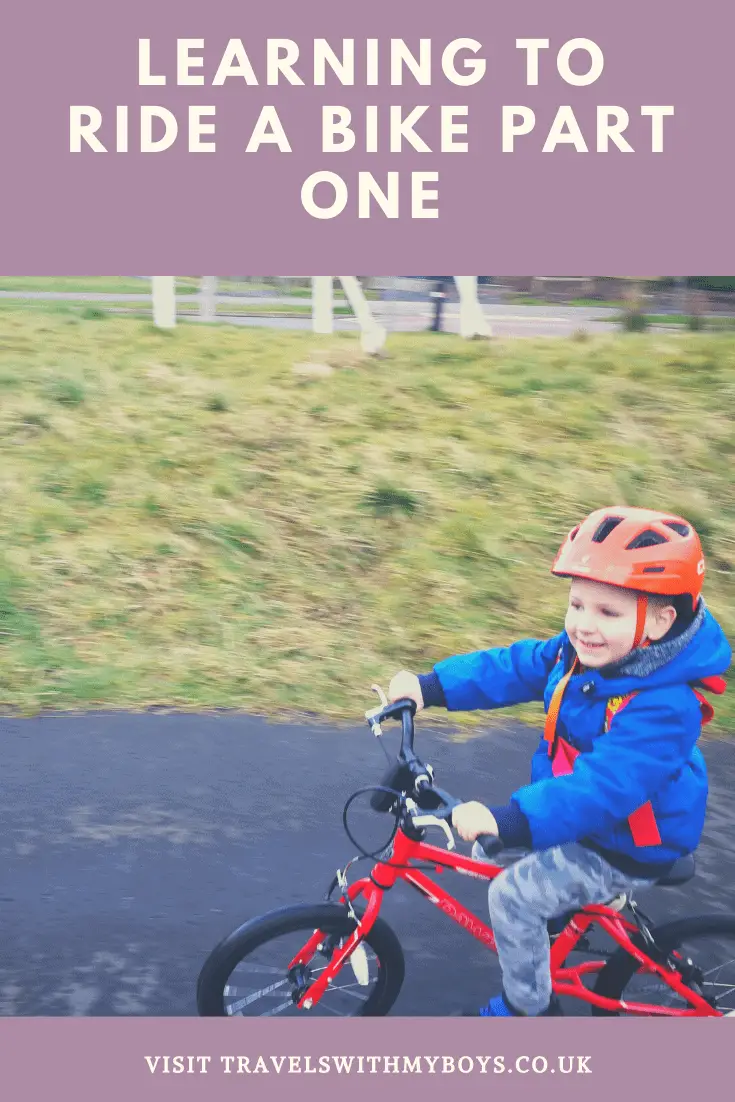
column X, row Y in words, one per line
column 261, row 986
column 707, row 967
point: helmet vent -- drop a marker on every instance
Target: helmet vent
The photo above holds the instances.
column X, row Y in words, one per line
column 677, row 526
column 653, row 569
column 649, row 538
column 604, row 529
column 573, row 533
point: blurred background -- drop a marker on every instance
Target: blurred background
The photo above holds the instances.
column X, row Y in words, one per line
column 247, row 513
column 408, row 303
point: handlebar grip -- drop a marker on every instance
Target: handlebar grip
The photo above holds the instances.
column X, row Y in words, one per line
column 490, row 844
column 407, row 727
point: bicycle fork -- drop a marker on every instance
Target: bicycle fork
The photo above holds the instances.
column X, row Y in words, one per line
column 311, row 994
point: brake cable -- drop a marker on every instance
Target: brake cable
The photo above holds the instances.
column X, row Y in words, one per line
column 396, row 816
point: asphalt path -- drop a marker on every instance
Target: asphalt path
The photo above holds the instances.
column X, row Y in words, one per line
column 132, row 843
column 407, row 315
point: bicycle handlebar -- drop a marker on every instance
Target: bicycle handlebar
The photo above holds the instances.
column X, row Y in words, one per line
column 409, row 767
column 489, row 843
column 403, row 709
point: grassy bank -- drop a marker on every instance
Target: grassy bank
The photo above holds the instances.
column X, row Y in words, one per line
column 710, row 321
column 124, row 285
column 188, row 522
column 85, row 310
column 108, row 285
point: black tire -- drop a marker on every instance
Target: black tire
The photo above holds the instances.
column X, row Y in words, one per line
column 331, row 918
column 614, row 978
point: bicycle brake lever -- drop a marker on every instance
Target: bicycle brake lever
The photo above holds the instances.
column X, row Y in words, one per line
column 372, row 712
column 433, row 820
column 383, row 698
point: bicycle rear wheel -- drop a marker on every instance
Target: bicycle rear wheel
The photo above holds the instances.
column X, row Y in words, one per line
column 246, row 974
column 704, row 951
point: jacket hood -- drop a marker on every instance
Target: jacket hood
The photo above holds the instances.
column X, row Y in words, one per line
column 702, row 650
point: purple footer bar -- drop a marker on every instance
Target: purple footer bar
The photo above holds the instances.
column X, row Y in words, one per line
column 140, row 1059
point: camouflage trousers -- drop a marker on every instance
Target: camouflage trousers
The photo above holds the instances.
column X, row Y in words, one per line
column 526, row 895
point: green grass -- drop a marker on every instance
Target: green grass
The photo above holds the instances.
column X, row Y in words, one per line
column 99, row 311
column 528, row 300
column 113, row 285
column 595, row 302
column 186, row 522
column 120, row 285
column 711, row 322
column 276, row 308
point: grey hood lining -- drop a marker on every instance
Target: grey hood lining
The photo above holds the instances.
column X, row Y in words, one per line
column 646, row 660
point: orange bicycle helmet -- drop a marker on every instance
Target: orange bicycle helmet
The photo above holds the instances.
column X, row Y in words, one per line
column 640, row 549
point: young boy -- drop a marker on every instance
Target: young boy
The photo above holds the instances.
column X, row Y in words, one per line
column 619, row 789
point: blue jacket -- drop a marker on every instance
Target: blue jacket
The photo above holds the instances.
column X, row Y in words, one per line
column 649, row 753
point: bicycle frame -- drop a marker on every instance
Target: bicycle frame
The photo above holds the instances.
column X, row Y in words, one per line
column 565, row 980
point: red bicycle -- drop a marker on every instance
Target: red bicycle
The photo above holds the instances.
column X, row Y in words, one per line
column 342, row 958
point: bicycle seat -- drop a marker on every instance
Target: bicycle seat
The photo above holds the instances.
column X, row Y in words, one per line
column 682, row 871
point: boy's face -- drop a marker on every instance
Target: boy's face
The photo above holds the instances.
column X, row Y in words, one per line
column 601, row 620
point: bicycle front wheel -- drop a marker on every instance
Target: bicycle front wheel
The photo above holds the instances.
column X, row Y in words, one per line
column 247, row 974
column 703, row 951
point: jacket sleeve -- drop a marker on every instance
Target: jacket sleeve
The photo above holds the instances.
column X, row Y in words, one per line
column 499, row 677
column 649, row 741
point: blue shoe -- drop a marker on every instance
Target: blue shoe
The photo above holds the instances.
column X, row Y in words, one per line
column 498, row 1008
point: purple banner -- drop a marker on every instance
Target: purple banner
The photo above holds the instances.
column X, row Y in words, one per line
column 564, row 136
column 190, row 1060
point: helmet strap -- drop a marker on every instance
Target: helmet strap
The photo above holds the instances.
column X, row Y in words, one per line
column 640, row 619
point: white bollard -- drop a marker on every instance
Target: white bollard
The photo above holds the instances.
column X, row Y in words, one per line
column 322, row 320
column 208, row 298
column 373, row 335
column 472, row 321
column 163, row 291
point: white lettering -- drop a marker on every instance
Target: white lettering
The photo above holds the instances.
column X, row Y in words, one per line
column 144, row 64
column 268, row 129
column 512, row 129
column 532, row 47
column 597, row 62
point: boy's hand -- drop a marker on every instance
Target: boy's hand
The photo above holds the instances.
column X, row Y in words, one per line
column 406, row 685
column 473, row 818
